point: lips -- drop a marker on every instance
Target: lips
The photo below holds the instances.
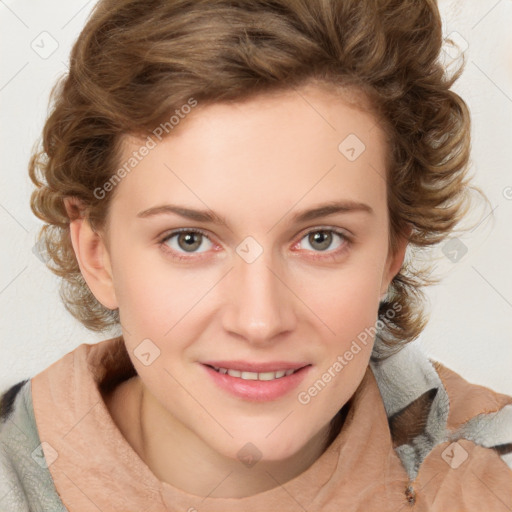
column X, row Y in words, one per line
column 259, row 382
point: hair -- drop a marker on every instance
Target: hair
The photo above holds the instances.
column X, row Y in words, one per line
column 137, row 61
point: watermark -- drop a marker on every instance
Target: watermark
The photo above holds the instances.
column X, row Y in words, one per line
column 45, row 45
column 45, row 455
column 454, row 45
column 351, row 147
column 454, row 249
column 249, row 455
column 454, row 455
column 146, row 352
column 249, row 249
column 150, row 143
column 304, row 397
column 174, row 120
column 507, row 193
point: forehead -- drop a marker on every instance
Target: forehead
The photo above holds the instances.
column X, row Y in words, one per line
column 274, row 147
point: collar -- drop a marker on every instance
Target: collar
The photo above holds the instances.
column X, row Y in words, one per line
column 93, row 465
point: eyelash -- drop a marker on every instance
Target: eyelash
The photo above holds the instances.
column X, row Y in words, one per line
column 328, row 256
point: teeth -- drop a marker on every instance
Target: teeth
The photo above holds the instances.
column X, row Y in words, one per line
column 254, row 375
column 267, row 376
column 249, row 376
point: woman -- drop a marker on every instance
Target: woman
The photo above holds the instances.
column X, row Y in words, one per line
column 235, row 185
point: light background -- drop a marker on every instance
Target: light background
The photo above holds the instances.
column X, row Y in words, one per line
column 470, row 312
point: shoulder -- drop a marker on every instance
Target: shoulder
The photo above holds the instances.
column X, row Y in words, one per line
column 477, row 412
column 26, row 483
column 428, row 404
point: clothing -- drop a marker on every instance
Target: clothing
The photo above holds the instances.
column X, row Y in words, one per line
column 417, row 437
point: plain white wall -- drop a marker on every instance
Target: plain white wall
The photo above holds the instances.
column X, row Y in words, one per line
column 471, row 311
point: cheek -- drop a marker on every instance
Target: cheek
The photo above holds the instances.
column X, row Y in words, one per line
column 350, row 310
column 346, row 300
column 143, row 280
column 334, row 383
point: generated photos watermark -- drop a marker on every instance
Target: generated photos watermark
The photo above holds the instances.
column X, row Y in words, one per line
column 150, row 143
column 304, row 397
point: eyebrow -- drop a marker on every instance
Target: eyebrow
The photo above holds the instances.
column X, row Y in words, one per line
column 209, row 216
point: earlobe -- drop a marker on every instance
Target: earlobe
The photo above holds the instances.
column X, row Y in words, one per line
column 92, row 256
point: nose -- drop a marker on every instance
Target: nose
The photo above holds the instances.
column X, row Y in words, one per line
column 260, row 303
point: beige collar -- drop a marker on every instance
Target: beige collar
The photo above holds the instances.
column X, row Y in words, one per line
column 96, row 469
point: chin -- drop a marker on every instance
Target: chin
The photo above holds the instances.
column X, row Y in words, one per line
column 280, row 445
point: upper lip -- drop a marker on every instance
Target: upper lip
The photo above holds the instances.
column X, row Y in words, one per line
column 246, row 366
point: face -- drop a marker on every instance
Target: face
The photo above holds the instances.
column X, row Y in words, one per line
column 269, row 289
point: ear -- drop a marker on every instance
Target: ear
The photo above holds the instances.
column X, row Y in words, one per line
column 395, row 260
column 92, row 255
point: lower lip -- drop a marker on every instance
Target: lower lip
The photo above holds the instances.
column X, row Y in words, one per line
column 257, row 390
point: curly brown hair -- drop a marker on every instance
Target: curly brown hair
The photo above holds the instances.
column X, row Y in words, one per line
column 137, row 61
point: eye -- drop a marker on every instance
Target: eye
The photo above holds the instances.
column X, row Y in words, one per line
column 184, row 241
column 321, row 239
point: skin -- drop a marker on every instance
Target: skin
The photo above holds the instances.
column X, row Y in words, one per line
column 256, row 163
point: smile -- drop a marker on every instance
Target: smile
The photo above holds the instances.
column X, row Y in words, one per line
column 258, row 382
column 254, row 375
